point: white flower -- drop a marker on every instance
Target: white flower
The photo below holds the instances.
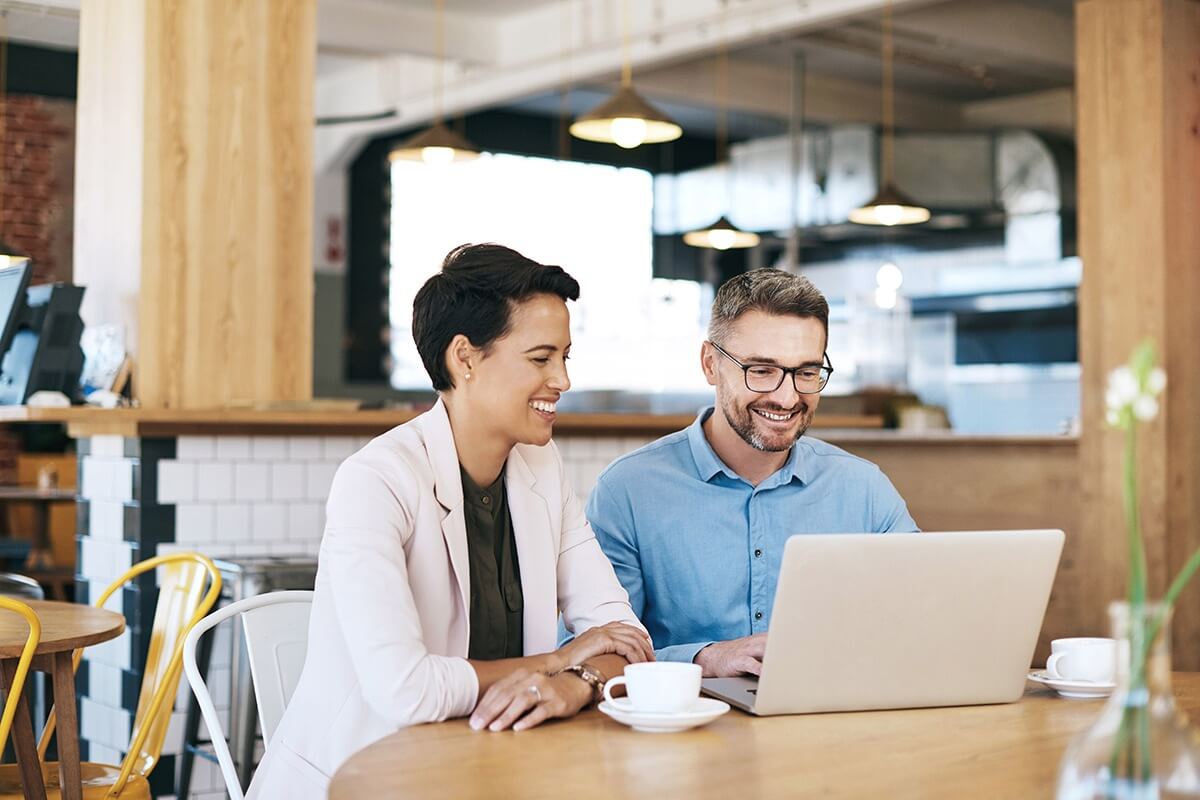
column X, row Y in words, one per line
column 1145, row 407
column 1113, row 418
column 1157, row 381
column 1122, row 388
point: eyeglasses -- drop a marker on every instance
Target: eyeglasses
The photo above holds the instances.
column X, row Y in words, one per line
column 765, row 378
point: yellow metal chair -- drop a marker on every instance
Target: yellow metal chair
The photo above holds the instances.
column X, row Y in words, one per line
column 18, row 685
column 182, row 602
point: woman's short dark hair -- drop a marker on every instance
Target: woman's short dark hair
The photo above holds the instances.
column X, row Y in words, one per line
column 474, row 294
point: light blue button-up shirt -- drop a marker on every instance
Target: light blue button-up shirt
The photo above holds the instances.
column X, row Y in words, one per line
column 699, row 549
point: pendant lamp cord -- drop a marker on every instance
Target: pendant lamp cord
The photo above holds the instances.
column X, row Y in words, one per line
column 889, row 116
column 439, row 7
column 627, row 47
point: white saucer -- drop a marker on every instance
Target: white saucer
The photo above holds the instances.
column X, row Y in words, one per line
column 1079, row 690
column 702, row 711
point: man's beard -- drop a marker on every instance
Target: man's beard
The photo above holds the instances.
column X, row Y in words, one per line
column 741, row 419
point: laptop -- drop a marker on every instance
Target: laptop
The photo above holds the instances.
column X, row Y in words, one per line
column 876, row 621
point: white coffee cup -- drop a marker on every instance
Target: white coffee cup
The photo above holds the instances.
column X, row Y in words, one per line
column 658, row 687
column 1083, row 658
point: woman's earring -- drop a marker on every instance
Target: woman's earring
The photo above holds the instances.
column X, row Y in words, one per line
column 467, row 376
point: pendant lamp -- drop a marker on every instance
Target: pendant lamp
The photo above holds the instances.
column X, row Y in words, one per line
column 626, row 119
column 722, row 234
column 437, row 144
column 889, row 206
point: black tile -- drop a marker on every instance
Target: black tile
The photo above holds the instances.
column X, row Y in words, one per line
column 83, row 517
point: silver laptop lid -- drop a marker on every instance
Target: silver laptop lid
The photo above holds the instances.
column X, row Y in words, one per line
column 873, row 621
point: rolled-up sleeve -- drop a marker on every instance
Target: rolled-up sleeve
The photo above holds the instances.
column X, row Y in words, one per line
column 363, row 556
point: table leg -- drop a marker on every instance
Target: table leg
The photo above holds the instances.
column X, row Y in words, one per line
column 68, row 727
column 22, row 737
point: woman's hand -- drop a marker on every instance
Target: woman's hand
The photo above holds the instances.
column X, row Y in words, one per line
column 527, row 698
column 616, row 637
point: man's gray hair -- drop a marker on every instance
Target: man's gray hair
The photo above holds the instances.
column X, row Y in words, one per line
column 771, row 291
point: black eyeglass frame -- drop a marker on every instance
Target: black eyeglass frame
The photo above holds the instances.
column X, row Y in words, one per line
column 827, row 367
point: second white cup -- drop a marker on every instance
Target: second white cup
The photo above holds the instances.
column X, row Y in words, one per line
column 1083, row 659
column 658, row 687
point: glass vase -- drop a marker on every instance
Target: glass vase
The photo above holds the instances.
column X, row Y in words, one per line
column 1140, row 747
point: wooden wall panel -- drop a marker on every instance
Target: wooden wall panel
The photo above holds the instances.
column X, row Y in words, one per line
column 194, row 196
column 227, row 283
column 108, row 162
column 1138, row 94
column 952, row 486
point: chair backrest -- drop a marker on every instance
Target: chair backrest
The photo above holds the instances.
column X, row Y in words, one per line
column 14, row 585
column 182, row 602
column 18, row 681
column 276, row 643
column 276, row 632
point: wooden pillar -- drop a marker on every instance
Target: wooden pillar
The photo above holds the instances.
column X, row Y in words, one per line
column 194, row 193
column 1138, row 89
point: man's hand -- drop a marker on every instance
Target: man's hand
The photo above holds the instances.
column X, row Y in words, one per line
column 733, row 658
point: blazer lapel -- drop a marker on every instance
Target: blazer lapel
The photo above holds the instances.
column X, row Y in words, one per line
column 447, row 488
column 533, row 529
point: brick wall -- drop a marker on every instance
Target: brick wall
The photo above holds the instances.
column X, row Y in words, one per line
column 37, row 182
column 37, row 185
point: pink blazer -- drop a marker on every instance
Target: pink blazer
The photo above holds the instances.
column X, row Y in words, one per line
column 389, row 629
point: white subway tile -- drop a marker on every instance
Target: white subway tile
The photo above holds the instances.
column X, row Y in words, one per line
column 304, row 521
column 233, row 448
column 338, row 448
column 320, row 478
column 268, row 448
column 176, row 482
column 104, row 684
column 218, row 681
column 196, row 448
column 115, row 652
column 304, row 448
column 173, row 743
column 107, row 447
column 214, row 481
column 195, row 523
column 287, row 482
column 251, row 481
column 106, row 519
column 269, row 522
column 96, row 479
column 233, row 522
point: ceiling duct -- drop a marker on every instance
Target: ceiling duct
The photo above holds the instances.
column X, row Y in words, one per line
column 960, row 176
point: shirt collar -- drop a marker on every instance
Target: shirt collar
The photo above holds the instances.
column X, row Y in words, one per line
column 708, row 463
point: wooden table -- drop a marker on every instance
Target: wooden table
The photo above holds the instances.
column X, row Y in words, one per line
column 1004, row 751
column 65, row 627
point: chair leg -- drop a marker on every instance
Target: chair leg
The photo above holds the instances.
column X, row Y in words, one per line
column 191, row 724
column 22, row 737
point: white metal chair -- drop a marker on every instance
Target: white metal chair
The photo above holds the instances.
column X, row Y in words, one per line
column 276, row 634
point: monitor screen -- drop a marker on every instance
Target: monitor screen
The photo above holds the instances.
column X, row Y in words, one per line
column 13, row 283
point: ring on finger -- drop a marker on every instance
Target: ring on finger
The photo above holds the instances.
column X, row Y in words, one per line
column 535, row 691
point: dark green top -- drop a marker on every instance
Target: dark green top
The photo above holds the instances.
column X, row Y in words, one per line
column 497, row 603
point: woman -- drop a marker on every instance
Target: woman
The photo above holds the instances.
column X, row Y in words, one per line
column 452, row 543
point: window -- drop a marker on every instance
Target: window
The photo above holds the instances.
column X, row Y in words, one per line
column 629, row 330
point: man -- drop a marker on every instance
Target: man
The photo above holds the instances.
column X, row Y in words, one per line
column 695, row 523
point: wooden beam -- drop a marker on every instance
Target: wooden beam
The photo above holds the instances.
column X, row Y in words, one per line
column 194, row 203
column 1138, row 88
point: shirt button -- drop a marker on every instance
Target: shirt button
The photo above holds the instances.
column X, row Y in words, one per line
column 487, row 501
column 758, row 615
column 758, row 553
